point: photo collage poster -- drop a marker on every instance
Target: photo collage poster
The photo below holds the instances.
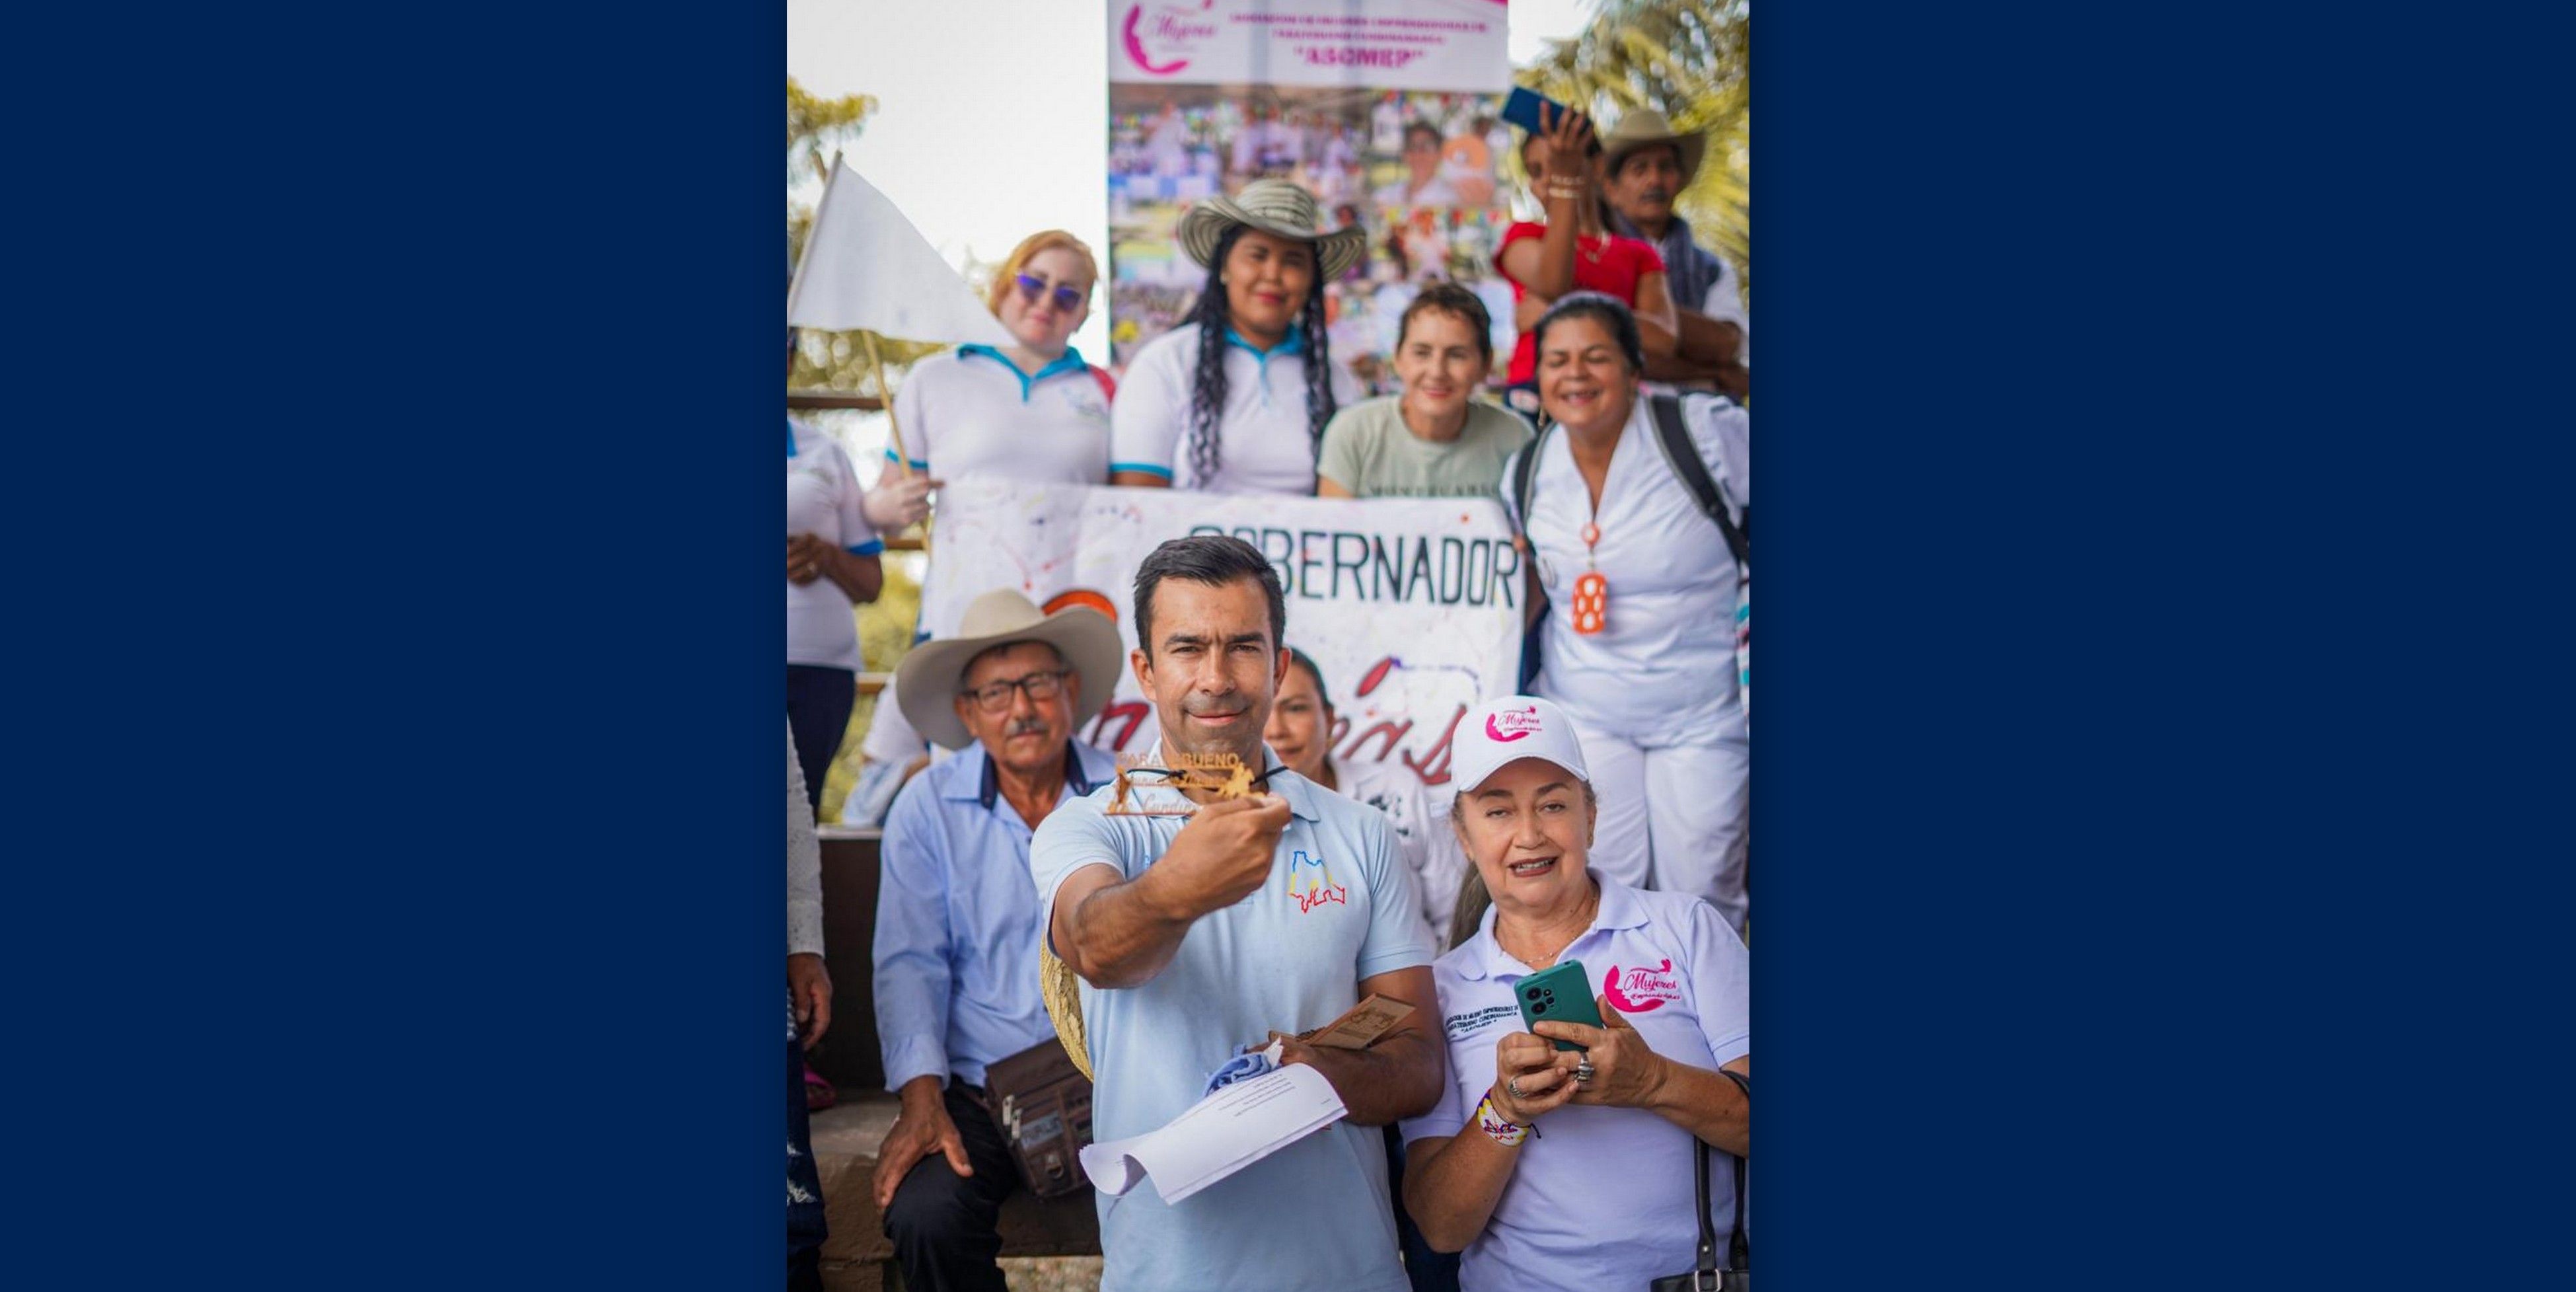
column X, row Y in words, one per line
column 1390, row 117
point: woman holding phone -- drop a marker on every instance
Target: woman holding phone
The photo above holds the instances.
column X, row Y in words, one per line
column 1603, row 1198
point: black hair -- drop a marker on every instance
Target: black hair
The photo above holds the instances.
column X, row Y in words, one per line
column 1212, row 559
column 1420, row 126
column 1450, row 298
column 1600, row 308
column 1207, row 387
column 1302, row 660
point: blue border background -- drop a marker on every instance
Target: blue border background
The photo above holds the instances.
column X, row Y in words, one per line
column 2155, row 640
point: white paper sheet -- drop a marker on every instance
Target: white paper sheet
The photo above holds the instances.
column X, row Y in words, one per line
column 1219, row 1135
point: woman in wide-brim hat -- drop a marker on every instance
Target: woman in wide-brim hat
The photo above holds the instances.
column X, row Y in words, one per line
column 1235, row 401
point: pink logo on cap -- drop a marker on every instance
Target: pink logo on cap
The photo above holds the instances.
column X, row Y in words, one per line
column 1512, row 724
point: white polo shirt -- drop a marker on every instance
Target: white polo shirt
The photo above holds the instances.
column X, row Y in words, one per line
column 1337, row 909
column 1664, row 668
column 823, row 493
column 1600, row 1197
column 970, row 412
column 1263, row 444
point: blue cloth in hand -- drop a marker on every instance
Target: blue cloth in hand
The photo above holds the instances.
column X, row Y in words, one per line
column 1249, row 1062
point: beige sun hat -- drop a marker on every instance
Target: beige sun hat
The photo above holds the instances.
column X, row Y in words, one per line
column 1274, row 206
column 927, row 682
column 1644, row 126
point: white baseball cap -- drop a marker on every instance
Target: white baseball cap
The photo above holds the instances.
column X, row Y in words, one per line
column 1503, row 731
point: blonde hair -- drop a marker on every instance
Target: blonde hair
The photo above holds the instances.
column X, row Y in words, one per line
column 1021, row 255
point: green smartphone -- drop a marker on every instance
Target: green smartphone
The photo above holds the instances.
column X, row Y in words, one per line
column 1560, row 994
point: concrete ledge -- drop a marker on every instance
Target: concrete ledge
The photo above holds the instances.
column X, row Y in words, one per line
column 846, row 1137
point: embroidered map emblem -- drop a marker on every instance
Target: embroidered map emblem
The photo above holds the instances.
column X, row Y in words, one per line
column 1310, row 881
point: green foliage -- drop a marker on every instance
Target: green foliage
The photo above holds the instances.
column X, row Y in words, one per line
column 1686, row 59
column 817, row 130
column 885, row 634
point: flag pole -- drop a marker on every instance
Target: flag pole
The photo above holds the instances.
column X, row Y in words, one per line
column 902, row 457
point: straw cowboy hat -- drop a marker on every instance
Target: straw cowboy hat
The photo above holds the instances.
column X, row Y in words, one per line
column 927, row 682
column 1646, row 126
column 1273, row 206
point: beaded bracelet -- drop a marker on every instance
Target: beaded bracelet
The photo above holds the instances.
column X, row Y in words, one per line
column 1490, row 1120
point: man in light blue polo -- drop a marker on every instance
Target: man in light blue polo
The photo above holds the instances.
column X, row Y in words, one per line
column 957, row 923
column 1195, row 935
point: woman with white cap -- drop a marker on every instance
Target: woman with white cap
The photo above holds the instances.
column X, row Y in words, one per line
column 1235, row 401
column 1605, row 1196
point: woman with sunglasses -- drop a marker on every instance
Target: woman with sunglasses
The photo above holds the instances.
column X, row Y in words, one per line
column 1235, row 401
column 1034, row 411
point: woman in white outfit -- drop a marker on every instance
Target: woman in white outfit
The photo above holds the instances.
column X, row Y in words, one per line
column 1638, row 644
column 1034, row 411
column 1235, row 401
column 1574, row 1168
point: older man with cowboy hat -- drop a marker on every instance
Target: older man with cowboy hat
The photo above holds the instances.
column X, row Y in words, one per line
column 957, row 919
column 1645, row 165
column 1235, row 400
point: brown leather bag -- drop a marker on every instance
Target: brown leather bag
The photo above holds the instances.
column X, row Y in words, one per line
column 1043, row 1105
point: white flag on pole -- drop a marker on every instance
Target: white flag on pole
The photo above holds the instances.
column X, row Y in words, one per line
column 866, row 267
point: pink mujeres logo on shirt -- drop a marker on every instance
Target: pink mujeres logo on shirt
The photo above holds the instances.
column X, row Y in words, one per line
column 1638, row 990
column 1512, row 724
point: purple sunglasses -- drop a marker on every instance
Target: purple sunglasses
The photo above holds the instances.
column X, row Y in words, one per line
column 1066, row 298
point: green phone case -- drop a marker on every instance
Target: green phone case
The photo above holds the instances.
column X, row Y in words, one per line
column 1561, row 993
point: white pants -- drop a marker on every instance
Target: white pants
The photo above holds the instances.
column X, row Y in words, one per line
column 1673, row 817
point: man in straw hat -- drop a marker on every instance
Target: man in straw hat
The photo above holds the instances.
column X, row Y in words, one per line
column 957, row 923
column 1645, row 166
column 1236, row 399
column 1195, row 935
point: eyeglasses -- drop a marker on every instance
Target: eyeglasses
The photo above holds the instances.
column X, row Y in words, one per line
column 1067, row 297
column 1040, row 686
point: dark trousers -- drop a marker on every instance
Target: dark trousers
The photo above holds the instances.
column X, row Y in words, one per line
column 947, row 1230
column 804, row 1189
column 818, row 712
column 1427, row 1270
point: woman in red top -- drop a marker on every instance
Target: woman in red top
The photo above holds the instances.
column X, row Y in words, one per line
column 1573, row 252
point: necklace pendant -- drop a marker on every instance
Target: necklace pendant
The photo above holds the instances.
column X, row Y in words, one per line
column 1591, row 534
column 1591, row 608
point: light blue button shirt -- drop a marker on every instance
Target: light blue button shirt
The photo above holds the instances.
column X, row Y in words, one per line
column 957, row 923
column 1338, row 908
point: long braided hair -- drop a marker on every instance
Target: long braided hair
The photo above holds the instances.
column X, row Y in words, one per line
column 1207, row 386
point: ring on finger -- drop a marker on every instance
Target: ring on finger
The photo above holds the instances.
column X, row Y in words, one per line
column 1583, row 1071
column 1513, row 1085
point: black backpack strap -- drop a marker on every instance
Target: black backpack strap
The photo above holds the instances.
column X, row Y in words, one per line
column 1525, row 480
column 1683, row 457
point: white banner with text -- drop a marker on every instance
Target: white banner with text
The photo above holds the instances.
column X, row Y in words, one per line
column 1410, row 607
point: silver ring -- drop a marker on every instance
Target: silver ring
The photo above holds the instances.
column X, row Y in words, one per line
column 1513, row 1084
column 1583, row 1071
